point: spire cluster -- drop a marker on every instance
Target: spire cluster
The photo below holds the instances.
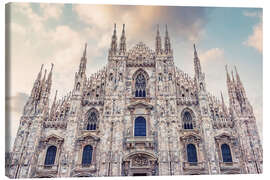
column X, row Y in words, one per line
column 40, row 92
column 167, row 43
column 122, row 49
column 236, row 91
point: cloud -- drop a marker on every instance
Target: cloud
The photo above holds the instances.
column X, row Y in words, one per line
column 255, row 40
column 186, row 22
column 253, row 14
column 51, row 10
column 17, row 102
column 213, row 54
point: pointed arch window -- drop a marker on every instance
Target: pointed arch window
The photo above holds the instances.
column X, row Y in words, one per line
column 140, row 86
column 187, row 120
column 226, row 153
column 192, row 153
column 50, row 156
column 140, row 127
column 87, row 155
column 92, row 121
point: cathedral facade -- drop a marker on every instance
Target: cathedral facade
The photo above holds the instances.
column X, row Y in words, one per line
column 138, row 116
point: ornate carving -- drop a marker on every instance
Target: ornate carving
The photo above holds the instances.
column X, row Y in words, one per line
column 139, row 160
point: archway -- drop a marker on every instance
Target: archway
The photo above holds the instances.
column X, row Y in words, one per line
column 140, row 164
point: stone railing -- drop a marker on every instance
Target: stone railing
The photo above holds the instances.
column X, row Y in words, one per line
column 186, row 101
column 55, row 124
column 93, row 101
column 146, row 142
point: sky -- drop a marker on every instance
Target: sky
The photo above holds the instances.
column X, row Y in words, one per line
column 56, row 33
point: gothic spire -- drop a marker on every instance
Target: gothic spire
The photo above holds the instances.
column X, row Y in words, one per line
column 123, row 41
column 40, row 73
column 223, row 104
column 237, row 76
column 49, row 81
column 114, row 41
column 83, row 62
column 197, row 64
column 228, row 76
column 167, row 45
column 158, row 42
column 37, row 82
column 44, row 78
column 85, row 48
column 232, row 77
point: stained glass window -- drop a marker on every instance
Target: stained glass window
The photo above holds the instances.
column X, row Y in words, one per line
column 50, row 155
column 87, row 155
column 192, row 153
column 140, row 126
column 226, row 153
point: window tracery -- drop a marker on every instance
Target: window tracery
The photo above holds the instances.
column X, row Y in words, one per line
column 187, row 120
column 92, row 120
column 140, row 86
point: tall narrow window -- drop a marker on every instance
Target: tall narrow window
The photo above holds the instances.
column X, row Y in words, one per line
column 140, row 86
column 50, row 156
column 92, row 121
column 87, row 155
column 140, row 127
column 226, row 153
column 187, row 120
column 192, row 153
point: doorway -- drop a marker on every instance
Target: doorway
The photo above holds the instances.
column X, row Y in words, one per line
column 140, row 174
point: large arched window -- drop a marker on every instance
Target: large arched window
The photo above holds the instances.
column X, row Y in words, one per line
column 140, row 85
column 92, row 121
column 50, row 156
column 226, row 153
column 140, row 127
column 187, row 120
column 87, row 155
column 192, row 153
